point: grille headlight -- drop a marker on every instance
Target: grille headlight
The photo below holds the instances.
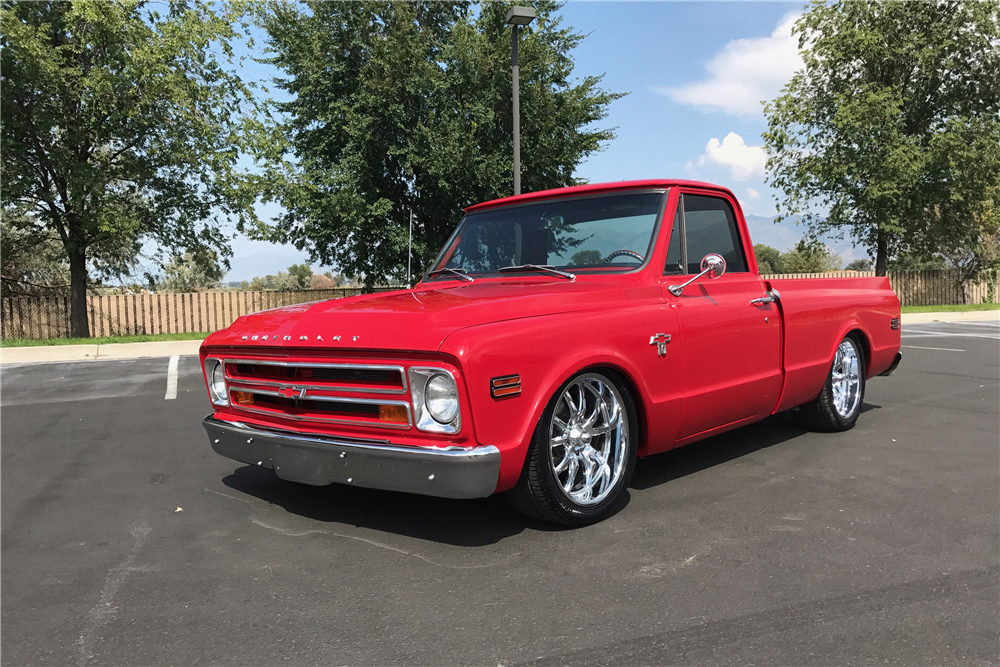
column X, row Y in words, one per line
column 441, row 398
column 216, row 376
column 435, row 400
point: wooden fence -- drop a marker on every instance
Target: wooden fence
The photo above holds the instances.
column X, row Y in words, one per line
column 917, row 288
column 130, row 315
column 140, row 314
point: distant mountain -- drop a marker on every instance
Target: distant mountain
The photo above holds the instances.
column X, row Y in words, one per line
column 785, row 234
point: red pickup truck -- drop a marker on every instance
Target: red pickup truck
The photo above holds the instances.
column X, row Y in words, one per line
column 558, row 336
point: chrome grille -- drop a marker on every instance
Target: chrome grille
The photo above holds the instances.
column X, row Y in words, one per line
column 314, row 392
column 369, row 378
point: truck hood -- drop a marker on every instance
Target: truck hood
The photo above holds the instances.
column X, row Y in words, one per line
column 411, row 320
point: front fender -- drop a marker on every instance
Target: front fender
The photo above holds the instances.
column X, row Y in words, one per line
column 545, row 352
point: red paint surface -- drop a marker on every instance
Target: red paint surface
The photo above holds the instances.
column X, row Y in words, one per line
column 725, row 365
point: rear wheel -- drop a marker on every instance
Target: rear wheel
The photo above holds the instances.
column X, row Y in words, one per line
column 582, row 453
column 839, row 404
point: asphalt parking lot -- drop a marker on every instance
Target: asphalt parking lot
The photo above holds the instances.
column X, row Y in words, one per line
column 127, row 541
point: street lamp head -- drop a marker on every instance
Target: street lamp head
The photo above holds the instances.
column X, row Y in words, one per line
column 520, row 15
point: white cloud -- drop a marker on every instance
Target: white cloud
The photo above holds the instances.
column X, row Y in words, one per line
column 745, row 72
column 753, row 194
column 744, row 162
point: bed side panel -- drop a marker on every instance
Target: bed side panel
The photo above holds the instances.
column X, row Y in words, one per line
column 817, row 313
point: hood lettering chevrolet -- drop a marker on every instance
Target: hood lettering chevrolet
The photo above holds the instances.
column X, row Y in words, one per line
column 319, row 337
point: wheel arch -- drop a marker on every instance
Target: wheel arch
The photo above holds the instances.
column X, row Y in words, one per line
column 638, row 402
column 864, row 343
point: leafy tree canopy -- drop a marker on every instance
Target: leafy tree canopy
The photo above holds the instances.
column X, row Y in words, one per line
column 303, row 274
column 121, row 122
column 406, row 106
column 188, row 273
column 809, row 256
column 30, row 264
column 909, row 260
column 282, row 281
column 768, row 259
column 859, row 265
column 893, row 125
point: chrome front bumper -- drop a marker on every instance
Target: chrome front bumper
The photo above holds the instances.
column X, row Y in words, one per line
column 449, row 473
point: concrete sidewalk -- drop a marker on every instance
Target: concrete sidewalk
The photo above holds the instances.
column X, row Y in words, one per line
column 51, row 353
column 969, row 316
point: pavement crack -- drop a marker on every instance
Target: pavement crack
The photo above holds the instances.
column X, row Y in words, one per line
column 293, row 533
column 105, row 610
column 226, row 495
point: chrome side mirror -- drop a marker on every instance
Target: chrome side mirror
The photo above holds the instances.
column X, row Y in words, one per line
column 714, row 265
column 711, row 264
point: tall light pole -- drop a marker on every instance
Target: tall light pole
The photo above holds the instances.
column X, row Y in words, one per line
column 516, row 17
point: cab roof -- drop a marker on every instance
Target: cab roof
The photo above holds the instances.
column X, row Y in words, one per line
column 594, row 188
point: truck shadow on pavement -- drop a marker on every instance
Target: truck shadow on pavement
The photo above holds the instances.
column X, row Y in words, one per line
column 676, row 463
column 486, row 521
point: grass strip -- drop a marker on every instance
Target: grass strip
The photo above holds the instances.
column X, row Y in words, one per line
column 30, row 342
column 955, row 308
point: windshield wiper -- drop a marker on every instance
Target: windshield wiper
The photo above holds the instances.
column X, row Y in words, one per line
column 546, row 268
column 458, row 273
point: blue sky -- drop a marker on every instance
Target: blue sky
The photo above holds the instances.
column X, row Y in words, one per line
column 695, row 73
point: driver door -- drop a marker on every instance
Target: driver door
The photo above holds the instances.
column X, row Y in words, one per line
column 731, row 366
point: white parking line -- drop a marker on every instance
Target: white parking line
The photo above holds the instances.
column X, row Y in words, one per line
column 939, row 349
column 991, row 325
column 171, row 379
column 942, row 334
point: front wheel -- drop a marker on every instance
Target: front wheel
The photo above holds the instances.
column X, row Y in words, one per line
column 839, row 404
column 582, row 453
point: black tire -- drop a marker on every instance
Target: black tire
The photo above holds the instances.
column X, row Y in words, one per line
column 539, row 492
column 823, row 413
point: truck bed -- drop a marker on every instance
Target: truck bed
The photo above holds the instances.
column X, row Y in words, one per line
column 817, row 313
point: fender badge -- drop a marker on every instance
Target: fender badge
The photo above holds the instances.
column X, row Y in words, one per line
column 660, row 340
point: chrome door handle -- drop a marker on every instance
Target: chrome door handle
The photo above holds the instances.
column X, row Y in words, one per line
column 761, row 301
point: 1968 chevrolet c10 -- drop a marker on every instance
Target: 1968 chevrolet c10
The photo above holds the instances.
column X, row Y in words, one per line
column 558, row 336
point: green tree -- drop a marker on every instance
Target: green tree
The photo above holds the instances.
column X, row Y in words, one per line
column 283, row 282
column 909, row 260
column 121, row 125
column 768, row 259
column 191, row 272
column 401, row 107
column 30, row 264
column 587, row 258
column 859, row 265
column 893, row 125
column 302, row 273
column 809, row 256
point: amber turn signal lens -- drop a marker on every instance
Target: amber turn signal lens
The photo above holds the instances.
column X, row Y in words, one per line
column 392, row 413
column 242, row 398
column 508, row 385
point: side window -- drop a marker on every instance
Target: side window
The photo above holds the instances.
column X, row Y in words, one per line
column 673, row 265
column 711, row 227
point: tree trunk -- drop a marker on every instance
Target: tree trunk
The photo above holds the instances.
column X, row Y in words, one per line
column 79, row 324
column 881, row 254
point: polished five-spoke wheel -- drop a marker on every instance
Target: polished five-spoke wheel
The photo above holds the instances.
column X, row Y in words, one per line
column 582, row 454
column 837, row 407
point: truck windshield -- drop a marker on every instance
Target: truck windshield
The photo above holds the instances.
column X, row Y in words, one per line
column 613, row 233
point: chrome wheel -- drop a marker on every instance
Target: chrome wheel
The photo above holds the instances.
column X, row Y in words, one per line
column 588, row 439
column 845, row 379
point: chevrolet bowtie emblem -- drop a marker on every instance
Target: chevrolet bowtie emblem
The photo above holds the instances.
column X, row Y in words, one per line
column 660, row 340
column 291, row 392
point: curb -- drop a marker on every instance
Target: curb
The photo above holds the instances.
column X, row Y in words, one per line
column 54, row 353
column 969, row 316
